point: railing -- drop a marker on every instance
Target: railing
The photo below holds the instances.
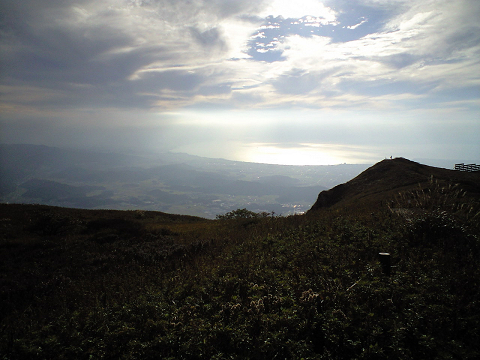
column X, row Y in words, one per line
column 467, row 167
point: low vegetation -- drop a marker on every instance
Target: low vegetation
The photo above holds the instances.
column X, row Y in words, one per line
column 87, row 284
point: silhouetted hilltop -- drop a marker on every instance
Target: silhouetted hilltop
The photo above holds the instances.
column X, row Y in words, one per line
column 381, row 181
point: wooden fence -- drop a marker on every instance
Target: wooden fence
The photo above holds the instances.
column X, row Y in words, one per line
column 467, row 167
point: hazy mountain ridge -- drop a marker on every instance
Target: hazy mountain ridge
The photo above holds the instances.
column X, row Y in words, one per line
column 383, row 180
column 169, row 182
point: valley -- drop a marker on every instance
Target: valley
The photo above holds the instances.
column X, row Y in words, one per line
column 168, row 182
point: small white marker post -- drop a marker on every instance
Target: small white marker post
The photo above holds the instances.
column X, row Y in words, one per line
column 385, row 262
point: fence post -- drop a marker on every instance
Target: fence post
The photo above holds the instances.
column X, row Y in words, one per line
column 385, row 262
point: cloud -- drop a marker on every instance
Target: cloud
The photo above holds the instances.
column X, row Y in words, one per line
column 85, row 58
column 160, row 54
column 103, row 47
column 298, row 81
column 413, row 47
column 353, row 27
column 298, row 9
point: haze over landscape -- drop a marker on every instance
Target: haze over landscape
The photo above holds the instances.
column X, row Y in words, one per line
column 281, row 82
column 168, row 182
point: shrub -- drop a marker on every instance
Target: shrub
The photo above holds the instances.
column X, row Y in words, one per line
column 242, row 214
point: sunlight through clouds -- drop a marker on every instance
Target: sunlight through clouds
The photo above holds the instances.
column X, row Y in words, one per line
column 298, row 9
column 242, row 71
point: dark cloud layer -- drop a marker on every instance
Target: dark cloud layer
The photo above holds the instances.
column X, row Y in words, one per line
column 88, row 47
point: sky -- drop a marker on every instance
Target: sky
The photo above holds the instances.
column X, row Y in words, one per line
column 300, row 82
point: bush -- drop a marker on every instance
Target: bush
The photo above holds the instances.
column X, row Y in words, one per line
column 242, row 214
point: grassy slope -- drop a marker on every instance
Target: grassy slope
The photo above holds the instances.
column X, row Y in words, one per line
column 380, row 182
column 141, row 285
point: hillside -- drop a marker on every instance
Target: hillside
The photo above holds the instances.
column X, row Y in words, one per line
column 105, row 284
column 381, row 182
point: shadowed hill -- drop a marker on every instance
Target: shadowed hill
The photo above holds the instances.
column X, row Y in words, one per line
column 380, row 182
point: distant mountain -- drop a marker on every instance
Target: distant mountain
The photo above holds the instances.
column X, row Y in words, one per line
column 383, row 180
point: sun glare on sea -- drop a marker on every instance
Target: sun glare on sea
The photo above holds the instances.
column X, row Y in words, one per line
column 280, row 154
column 305, row 154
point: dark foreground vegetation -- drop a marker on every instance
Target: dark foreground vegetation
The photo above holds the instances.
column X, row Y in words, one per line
column 88, row 284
